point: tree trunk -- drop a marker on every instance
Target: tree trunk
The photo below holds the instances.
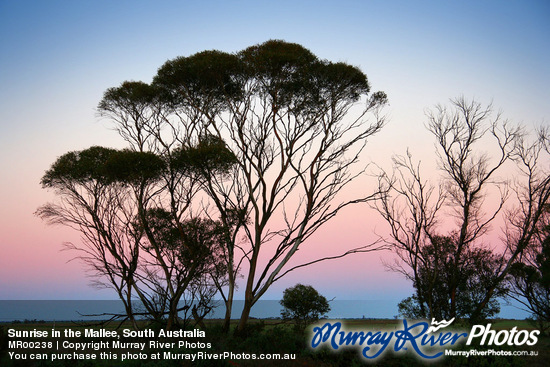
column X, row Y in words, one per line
column 172, row 315
column 248, row 295
column 243, row 322
column 199, row 319
column 228, row 307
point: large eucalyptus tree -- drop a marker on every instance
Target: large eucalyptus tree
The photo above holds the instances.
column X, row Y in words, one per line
column 262, row 142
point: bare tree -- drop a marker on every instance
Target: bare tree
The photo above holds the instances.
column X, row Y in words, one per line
column 410, row 208
column 527, row 224
column 470, row 175
column 414, row 209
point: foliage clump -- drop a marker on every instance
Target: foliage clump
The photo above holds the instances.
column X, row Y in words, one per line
column 304, row 305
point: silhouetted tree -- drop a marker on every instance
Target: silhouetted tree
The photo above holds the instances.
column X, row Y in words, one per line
column 95, row 201
column 433, row 284
column 529, row 278
column 304, row 305
column 529, row 282
column 296, row 126
column 413, row 206
column 116, row 200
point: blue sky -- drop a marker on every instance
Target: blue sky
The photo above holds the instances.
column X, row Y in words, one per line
column 58, row 57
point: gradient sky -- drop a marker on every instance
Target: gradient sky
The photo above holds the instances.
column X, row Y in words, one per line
column 58, row 57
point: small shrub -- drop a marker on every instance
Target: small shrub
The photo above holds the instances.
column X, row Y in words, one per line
column 304, row 305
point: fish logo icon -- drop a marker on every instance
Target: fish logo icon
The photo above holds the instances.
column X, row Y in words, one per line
column 439, row 325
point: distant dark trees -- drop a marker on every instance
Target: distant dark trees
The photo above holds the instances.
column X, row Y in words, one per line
column 438, row 230
column 233, row 162
column 303, row 305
